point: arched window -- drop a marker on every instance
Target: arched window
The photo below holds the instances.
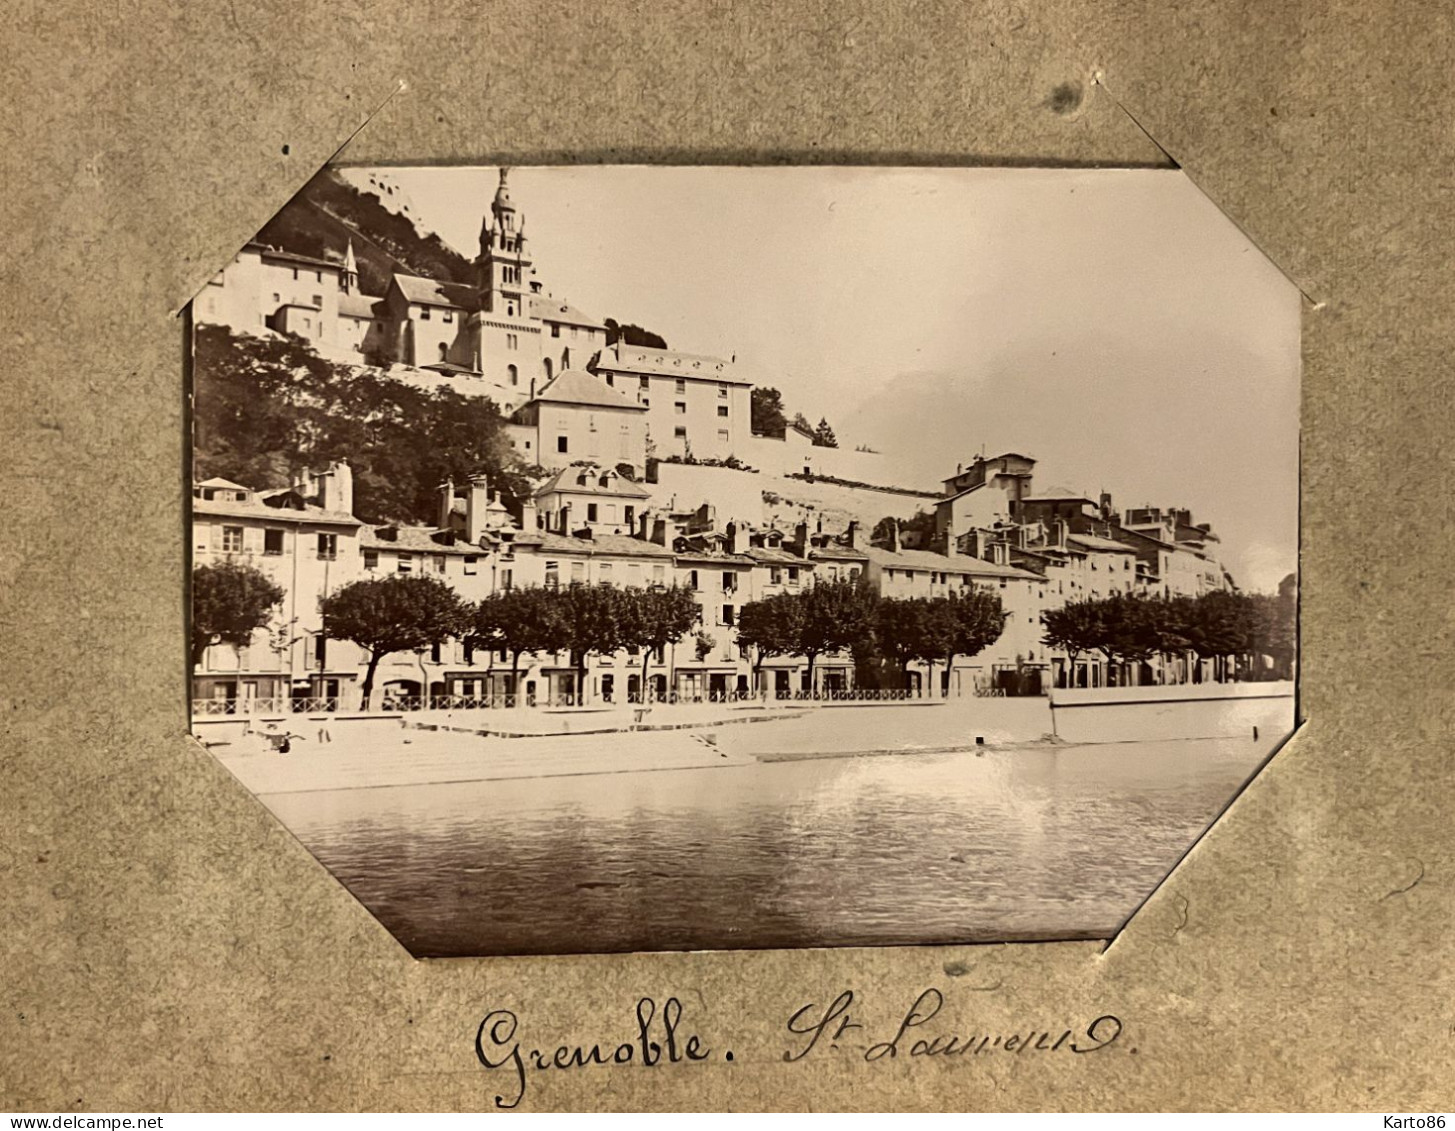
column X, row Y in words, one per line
column 444, row 352
column 547, row 363
column 514, row 374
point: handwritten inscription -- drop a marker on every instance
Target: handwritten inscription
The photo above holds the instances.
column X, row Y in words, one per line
column 833, row 1026
column 497, row 1046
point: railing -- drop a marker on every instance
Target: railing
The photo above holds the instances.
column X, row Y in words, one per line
column 212, row 708
column 854, row 694
column 990, row 693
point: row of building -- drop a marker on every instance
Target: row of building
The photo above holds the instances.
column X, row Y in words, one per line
column 589, row 524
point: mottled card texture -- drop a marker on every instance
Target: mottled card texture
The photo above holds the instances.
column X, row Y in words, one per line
column 169, row 946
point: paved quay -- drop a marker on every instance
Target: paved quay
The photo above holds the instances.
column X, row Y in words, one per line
column 377, row 753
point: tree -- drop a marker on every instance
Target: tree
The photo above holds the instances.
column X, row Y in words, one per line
column 268, row 407
column 230, row 601
column 902, row 632
column 655, row 619
column 398, row 613
column 596, row 621
column 836, row 614
column 823, row 435
column 771, row 626
column 632, row 335
column 519, row 621
column 1074, row 628
column 768, row 418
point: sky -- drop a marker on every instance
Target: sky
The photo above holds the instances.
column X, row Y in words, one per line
column 1112, row 324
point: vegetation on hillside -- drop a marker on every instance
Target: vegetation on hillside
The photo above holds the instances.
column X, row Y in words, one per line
column 266, row 408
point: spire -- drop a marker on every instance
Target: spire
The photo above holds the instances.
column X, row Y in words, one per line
column 351, row 269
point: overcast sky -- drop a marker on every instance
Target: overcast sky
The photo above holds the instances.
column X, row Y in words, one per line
column 1112, row 324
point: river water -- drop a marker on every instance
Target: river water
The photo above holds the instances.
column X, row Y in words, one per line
column 997, row 845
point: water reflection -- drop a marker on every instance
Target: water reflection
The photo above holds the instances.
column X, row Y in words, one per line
column 1059, row 842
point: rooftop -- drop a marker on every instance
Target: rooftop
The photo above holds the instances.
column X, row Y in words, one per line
column 431, row 292
column 415, row 539
column 667, row 363
column 572, row 386
column 290, row 257
column 587, row 481
column 944, row 563
column 554, row 310
column 357, row 306
column 256, row 507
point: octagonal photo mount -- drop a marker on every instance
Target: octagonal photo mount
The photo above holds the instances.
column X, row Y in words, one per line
column 745, row 557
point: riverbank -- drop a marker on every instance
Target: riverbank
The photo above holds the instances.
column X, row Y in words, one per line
column 374, row 753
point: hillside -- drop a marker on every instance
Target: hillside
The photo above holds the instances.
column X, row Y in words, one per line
column 328, row 212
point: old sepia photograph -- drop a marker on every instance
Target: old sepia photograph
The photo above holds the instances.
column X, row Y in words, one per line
column 599, row 559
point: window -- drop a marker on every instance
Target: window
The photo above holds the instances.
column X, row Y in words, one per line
column 232, row 539
column 792, row 575
column 722, row 392
column 591, row 421
column 439, row 563
column 578, row 572
column 424, row 314
column 681, row 386
column 295, row 274
column 727, row 614
column 555, row 331
column 327, row 547
column 591, row 512
column 320, row 650
column 775, row 576
column 277, row 298
column 406, row 563
column 723, row 435
column 507, row 579
column 318, row 301
column 553, row 575
column 603, row 574
column 680, row 432
column 611, row 379
column 471, row 564
column 692, row 579
column 434, row 652
column 444, row 352
column 646, row 403
column 560, row 443
column 318, row 276
column 659, row 574
column 722, row 410
column 513, row 374
column 679, row 407
column 729, row 581
column 371, row 559
column 448, row 316
column 629, row 516
column 512, row 342
column 646, row 382
column 272, row 543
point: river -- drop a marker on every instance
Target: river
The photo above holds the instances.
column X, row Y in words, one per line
column 1000, row 844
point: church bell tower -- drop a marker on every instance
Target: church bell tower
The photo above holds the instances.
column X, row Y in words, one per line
column 504, row 265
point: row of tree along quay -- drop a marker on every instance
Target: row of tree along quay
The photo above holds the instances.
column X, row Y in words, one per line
column 886, row 636
column 410, row 613
column 1231, row 630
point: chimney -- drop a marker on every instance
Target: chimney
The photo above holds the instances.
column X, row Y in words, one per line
column 799, row 545
column 659, row 531
column 335, row 488
column 529, row 520
column 345, row 483
column 853, row 534
column 447, row 503
column 477, row 499
column 894, row 535
column 735, row 538
column 950, row 531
